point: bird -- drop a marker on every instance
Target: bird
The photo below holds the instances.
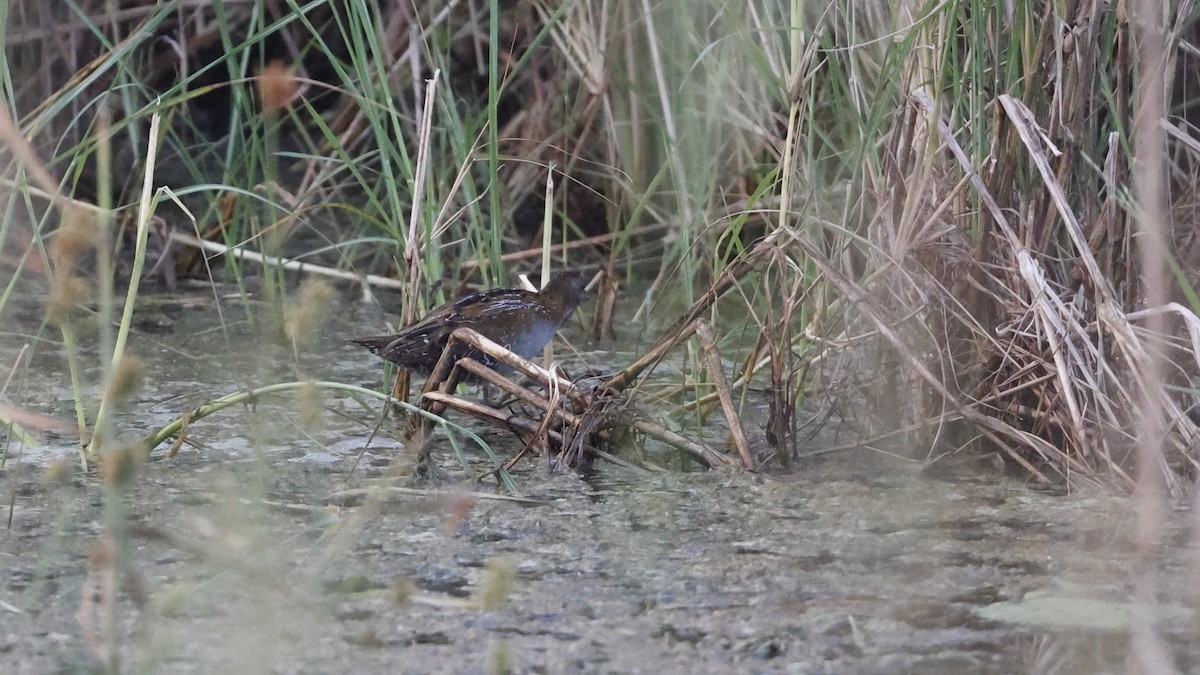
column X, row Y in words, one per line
column 522, row 321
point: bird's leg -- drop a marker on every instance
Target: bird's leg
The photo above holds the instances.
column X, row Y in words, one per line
column 445, row 377
column 401, row 386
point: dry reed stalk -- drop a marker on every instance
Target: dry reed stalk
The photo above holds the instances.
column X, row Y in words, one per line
column 706, row 455
column 606, row 304
column 1149, row 651
column 447, row 374
column 887, row 326
column 569, row 426
column 1082, row 375
column 414, row 242
column 366, row 280
column 708, row 340
column 385, row 493
column 683, row 326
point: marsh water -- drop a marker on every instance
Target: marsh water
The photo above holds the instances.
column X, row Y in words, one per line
column 273, row 542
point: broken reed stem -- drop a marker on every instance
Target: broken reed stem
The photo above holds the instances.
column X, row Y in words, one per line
column 683, row 328
column 413, row 241
column 501, row 419
column 444, row 379
column 472, row 408
column 631, row 372
column 708, row 340
column 549, row 408
column 492, row 377
column 450, row 368
column 392, row 493
column 437, row 397
column 285, row 263
column 707, row 456
column 474, row 339
column 702, row 453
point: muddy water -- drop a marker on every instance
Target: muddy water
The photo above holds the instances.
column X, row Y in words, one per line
column 254, row 549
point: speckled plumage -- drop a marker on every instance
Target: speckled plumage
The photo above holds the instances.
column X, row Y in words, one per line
column 523, row 321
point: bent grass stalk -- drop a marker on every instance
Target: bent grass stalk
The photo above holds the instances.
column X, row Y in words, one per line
column 216, row 405
column 145, row 212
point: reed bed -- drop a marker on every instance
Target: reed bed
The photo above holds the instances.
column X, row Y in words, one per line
column 931, row 212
